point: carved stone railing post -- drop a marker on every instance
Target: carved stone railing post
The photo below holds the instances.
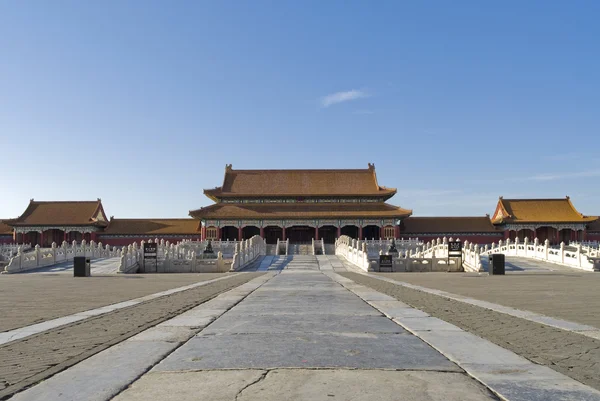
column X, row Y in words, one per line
column 53, row 250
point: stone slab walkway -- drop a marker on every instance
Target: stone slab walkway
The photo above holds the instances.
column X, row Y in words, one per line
column 302, row 336
column 305, row 332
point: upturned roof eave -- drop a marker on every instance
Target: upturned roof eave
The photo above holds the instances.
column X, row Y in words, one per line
column 217, row 194
column 204, row 213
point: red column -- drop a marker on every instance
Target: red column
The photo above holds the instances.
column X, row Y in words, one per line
column 506, row 234
column 316, row 233
column 283, row 232
column 262, row 232
column 360, row 232
column 218, row 233
column 240, row 233
column 584, row 235
column 397, row 231
column 339, row 231
column 65, row 236
column 41, row 244
column 93, row 236
column 203, row 233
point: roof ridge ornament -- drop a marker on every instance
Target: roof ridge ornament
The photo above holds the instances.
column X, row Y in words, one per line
column 371, row 166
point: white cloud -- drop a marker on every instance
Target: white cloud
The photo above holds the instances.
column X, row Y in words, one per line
column 340, row 97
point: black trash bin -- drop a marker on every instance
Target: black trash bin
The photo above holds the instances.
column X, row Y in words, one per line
column 81, row 266
column 497, row 264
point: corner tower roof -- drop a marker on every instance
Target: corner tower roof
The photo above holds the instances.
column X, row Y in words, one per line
column 299, row 183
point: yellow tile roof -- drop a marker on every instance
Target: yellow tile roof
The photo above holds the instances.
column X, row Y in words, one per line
column 299, row 183
column 5, row 229
column 538, row 211
column 60, row 213
column 152, row 226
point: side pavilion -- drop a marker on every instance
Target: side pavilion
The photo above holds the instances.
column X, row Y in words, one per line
column 556, row 220
column 43, row 223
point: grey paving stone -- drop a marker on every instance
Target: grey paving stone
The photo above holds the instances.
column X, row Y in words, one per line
column 309, row 299
column 300, row 307
column 425, row 324
column 463, row 347
column 250, row 351
column 395, row 309
column 531, row 383
column 321, row 385
column 300, row 289
column 306, row 385
column 184, row 386
column 102, row 376
column 219, row 303
column 188, row 321
column 235, row 324
column 562, row 324
column 176, row 334
column 199, row 312
column 388, row 304
column 108, row 308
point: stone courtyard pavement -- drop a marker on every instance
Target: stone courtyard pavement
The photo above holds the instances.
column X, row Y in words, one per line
column 29, row 298
column 305, row 329
column 567, row 293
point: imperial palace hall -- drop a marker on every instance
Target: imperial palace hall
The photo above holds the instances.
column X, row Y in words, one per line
column 299, row 206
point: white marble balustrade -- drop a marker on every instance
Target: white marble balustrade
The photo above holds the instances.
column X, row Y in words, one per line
column 246, row 252
column 562, row 255
column 354, row 251
column 40, row 257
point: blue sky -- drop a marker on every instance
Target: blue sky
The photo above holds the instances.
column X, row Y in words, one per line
column 143, row 103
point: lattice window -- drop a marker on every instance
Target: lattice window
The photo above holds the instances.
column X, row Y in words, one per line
column 211, row 233
column 388, row 232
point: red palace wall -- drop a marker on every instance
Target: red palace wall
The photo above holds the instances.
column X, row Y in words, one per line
column 6, row 239
column 595, row 236
column 124, row 241
column 475, row 239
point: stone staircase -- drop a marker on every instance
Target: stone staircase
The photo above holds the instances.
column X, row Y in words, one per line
column 329, row 249
column 300, row 249
column 271, row 249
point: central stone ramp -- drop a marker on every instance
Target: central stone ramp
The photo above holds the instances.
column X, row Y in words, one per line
column 302, row 336
column 301, row 318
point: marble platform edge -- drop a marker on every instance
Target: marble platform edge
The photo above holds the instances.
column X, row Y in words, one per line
column 567, row 325
column 490, row 364
column 26, row 331
column 104, row 375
